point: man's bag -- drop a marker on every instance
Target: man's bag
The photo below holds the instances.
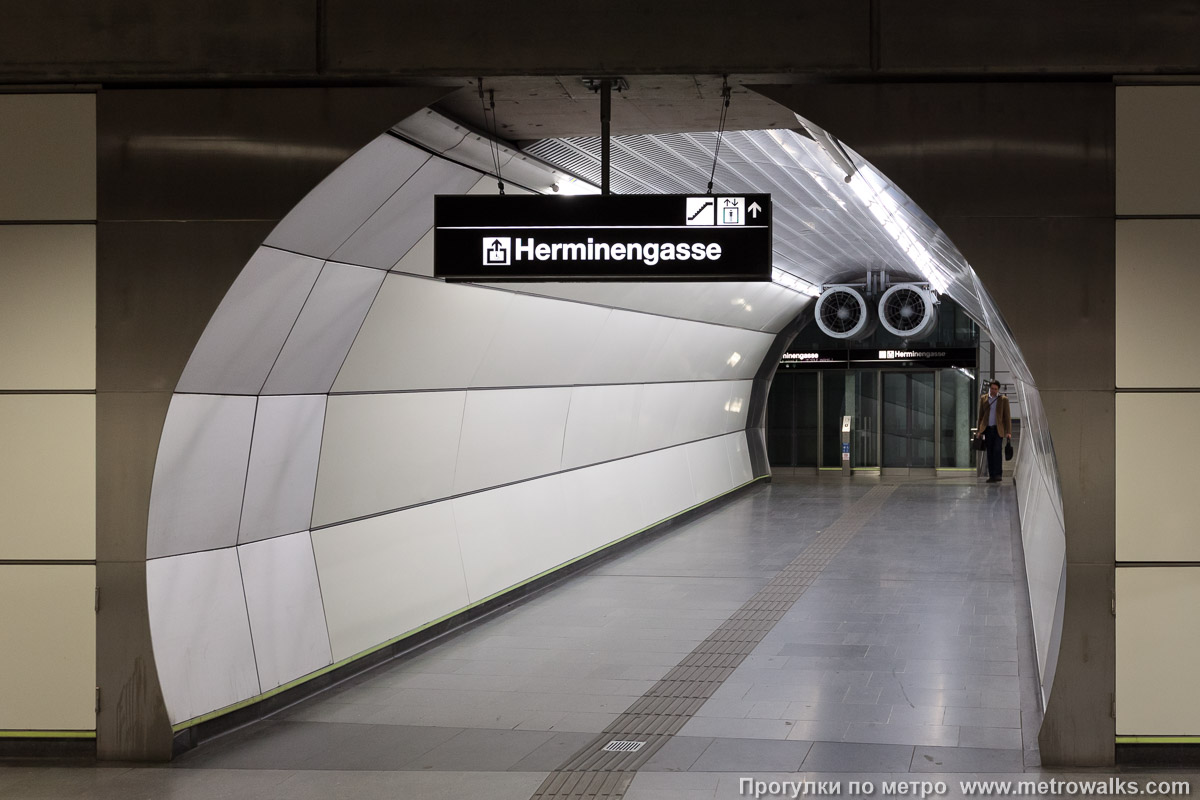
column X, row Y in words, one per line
column 1008, row 451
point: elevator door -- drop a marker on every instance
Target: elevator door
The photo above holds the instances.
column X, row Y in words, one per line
column 908, row 419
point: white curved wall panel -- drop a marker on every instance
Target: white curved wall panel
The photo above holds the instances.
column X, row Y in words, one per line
column 738, row 410
column 244, row 336
column 664, row 483
column 201, row 633
column 510, row 435
column 662, row 405
column 700, row 351
column 604, row 503
column 738, row 452
column 513, row 533
column 709, row 411
column 540, row 342
column 487, row 185
column 715, row 352
column 601, row 424
column 763, row 306
column 401, row 221
column 325, row 330
column 383, row 576
column 394, row 350
column 283, row 601
column 625, row 348
column 673, row 413
column 1045, row 550
column 385, row 451
column 708, row 463
column 787, row 310
column 283, row 466
column 200, row 473
column 330, row 213
column 419, row 258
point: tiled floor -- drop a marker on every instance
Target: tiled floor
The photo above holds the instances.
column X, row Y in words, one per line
column 910, row 655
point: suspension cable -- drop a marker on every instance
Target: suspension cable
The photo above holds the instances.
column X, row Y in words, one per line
column 725, row 93
column 493, row 145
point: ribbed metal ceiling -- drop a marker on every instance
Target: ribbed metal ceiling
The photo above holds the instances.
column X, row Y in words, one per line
column 826, row 229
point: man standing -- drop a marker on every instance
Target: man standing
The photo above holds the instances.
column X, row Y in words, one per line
column 994, row 426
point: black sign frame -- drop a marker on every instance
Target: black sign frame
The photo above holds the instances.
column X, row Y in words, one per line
column 935, row 357
column 652, row 237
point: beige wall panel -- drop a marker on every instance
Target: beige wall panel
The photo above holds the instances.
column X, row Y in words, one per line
column 48, row 156
column 47, row 306
column 1157, row 501
column 48, row 657
column 1158, row 647
column 1157, row 168
column 1158, row 286
column 47, row 477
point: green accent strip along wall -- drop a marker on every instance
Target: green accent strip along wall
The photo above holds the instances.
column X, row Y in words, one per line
column 1158, row 740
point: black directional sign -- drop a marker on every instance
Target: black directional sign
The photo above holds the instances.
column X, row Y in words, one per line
column 641, row 237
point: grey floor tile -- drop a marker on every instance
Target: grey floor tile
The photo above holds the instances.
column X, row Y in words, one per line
column 721, row 727
column 967, row 759
column 678, row 754
column 857, row 757
column 916, row 696
column 557, row 751
column 752, row 755
column 918, row 715
column 481, row 750
column 317, row 746
column 427, row 786
column 837, row 712
column 984, row 717
column 673, row 786
column 1003, row 738
column 770, row 709
column 993, row 699
column 825, row 650
column 818, row 730
column 876, row 733
column 863, row 695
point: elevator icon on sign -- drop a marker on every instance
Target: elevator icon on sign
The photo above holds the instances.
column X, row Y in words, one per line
column 732, row 211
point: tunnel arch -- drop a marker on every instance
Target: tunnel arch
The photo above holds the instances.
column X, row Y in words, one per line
column 356, row 450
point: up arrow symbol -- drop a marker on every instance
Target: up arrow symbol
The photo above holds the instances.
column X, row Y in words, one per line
column 754, row 209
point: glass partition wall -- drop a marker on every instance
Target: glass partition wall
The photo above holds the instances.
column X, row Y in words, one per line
column 911, row 403
column 900, row 418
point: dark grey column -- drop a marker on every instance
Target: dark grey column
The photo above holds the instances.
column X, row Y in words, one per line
column 189, row 184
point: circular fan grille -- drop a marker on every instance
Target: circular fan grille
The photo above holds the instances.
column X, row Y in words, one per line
column 841, row 312
column 907, row 310
column 904, row 310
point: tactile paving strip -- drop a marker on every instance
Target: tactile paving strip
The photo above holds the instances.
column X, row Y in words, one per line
column 596, row 774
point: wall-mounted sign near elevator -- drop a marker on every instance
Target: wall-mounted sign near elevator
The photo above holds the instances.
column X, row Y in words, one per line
column 639, row 237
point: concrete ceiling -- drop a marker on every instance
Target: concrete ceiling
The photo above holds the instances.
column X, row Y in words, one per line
column 531, row 108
